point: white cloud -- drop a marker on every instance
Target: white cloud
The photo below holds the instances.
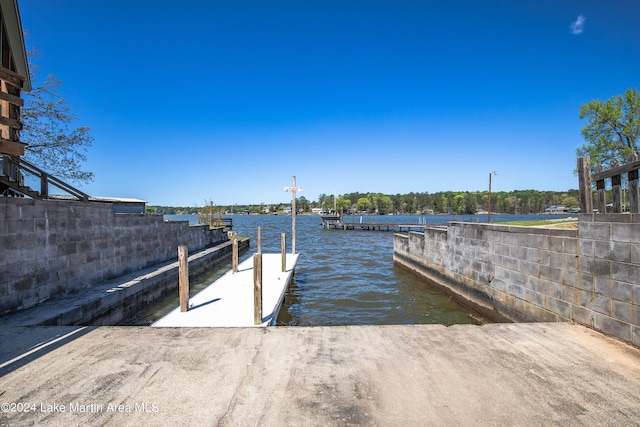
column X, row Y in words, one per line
column 578, row 26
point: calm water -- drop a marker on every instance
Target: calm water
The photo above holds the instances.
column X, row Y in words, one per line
column 348, row 277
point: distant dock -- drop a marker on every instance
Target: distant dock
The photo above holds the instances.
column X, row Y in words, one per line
column 338, row 222
column 229, row 301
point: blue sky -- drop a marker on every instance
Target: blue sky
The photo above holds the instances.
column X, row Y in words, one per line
column 226, row 100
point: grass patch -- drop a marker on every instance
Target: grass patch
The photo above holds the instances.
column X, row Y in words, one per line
column 548, row 223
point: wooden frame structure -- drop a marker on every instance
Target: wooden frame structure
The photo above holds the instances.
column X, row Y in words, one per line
column 14, row 78
column 585, row 178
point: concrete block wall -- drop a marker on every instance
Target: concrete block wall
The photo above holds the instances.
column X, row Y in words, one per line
column 51, row 247
column 590, row 275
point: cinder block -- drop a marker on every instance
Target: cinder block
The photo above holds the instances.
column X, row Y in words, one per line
column 585, row 247
column 597, row 267
column 584, row 316
column 518, row 252
column 569, row 277
column 561, row 308
column 555, row 245
column 533, row 312
column 528, row 268
column 538, row 241
column 635, row 254
column 594, row 230
column 509, row 238
column 635, row 335
column 625, row 233
column 570, row 245
column 596, row 302
column 614, row 289
column 625, row 272
column 534, row 297
column 614, row 251
column 624, row 312
column 563, row 261
column 518, row 278
column 550, row 273
column 613, row 327
column 547, row 287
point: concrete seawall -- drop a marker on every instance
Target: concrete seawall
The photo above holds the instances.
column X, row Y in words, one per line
column 120, row 300
column 49, row 248
column 590, row 275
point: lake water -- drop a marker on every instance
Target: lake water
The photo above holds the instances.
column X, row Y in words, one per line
column 348, row 277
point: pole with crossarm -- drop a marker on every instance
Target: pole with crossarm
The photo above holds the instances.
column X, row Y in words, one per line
column 293, row 189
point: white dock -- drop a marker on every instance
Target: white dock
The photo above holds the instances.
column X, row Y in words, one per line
column 228, row 302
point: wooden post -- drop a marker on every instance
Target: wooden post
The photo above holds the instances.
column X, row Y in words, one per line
column 602, row 196
column 259, row 240
column 183, row 273
column 210, row 214
column 584, row 182
column 257, row 289
column 283, row 244
column 616, row 189
column 234, row 252
column 293, row 216
column 44, row 185
column 633, row 187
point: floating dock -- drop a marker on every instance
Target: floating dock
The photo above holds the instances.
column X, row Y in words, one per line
column 228, row 302
column 338, row 222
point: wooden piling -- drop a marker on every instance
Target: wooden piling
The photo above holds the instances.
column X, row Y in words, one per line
column 293, row 216
column 259, row 240
column 584, row 182
column 634, row 205
column 283, row 244
column 257, row 289
column 183, row 273
column 234, row 252
column 602, row 196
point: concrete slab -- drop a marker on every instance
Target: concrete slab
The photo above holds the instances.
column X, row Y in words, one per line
column 498, row 374
column 228, row 302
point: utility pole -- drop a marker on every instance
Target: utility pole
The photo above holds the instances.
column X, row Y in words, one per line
column 293, row 189
column 489, row 198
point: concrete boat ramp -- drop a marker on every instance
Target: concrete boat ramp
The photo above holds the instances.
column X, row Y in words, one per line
column 543, row 374
column 228, row 302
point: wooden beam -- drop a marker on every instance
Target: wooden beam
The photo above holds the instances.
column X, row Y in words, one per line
column 618, row 170
column 15, row 100
column 12, row 123
column 616, row 188
column 11, row 77
column 11, row 148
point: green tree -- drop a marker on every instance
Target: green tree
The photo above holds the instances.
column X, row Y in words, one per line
column 570, row 202
column 302, row 204
column 53, row 143
column 612, row 128
column 364, row 203
column 342, row 204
